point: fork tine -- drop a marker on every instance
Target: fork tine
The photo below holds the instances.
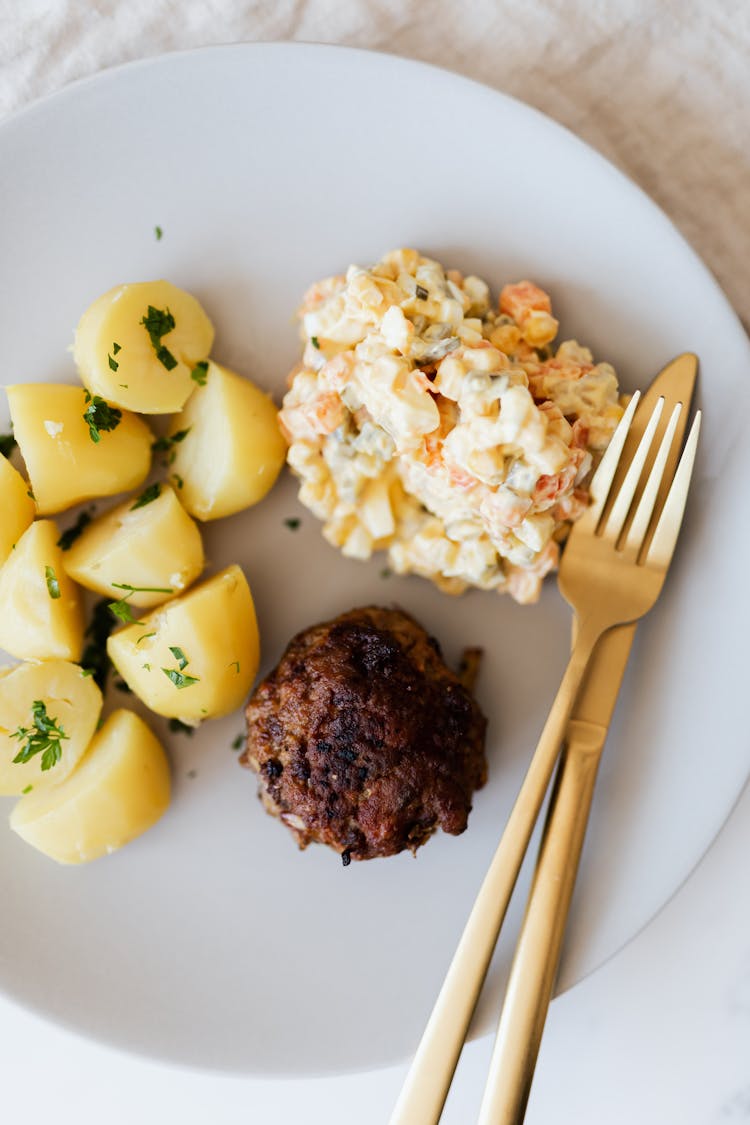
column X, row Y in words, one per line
column 668, row 528
column 601, row 482
column 621, row 506
column 639, row 527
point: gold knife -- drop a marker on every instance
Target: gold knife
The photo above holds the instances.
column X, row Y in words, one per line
column 539, row 946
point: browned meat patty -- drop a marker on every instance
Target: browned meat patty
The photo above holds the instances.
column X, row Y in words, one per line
column 363, row 739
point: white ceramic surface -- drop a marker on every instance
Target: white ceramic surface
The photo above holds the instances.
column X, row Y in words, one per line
column 211, row 941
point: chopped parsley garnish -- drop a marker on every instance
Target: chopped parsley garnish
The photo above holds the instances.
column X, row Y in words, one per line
column 122, row 610
column 179, row 679
column 151, row 493
column 144, row 637
column 177, row 675
column 68, row 538
column 95, row 660
column 167, row 444
column 422, row 293
column 158, row 323
column 178, row 480
column 44, row 737
column 99, row 415
column 236, row 665
column 53, row 586
column 238, row 742
column 179, row 656
column 292, row 523
column 30, row 494
column 200, row 373
column 113, row 364
column 7, row 444
column 116, row 348
column 27, row 789
column 158, row 232
column 179, row 727
column 315, row 342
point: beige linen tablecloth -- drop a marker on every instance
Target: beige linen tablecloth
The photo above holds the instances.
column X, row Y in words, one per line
column 661, row 87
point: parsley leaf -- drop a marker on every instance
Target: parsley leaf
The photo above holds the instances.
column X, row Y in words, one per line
column 158, row 232
column 177, row 675
column 179, row 656
column 422, row 293
column 151, row 493
column 179, row 679
column 7, row 444
column 200, row 373
column 99, row 415
column 167, row 444
column 44, row 738
column 158, row 323
column 122, row 610
column 315, row 342
column 113, row 364
column 68, row 538
column 165, row 357
column 292, row 523
column 116, row 348
column 238, row 742
column 53, row 586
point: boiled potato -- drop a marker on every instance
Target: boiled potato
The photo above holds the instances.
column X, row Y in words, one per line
column 17, row 508
column 195, row 657
column 41, row 617
column 233, row 450
column 55, row 694
column 150, row 543
column 64, row 461
column 118, row 790
column 138, row 345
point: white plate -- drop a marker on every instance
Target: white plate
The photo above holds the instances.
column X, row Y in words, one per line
column 211, row 941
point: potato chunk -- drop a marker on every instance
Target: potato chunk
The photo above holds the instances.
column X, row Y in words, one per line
column 65, row 464
column 195, row 657
column 233, row 450
column 151, row 543
column 17, row 508
column 40, row 611
column 72, row 703
column 137, row 345
column 119, row 789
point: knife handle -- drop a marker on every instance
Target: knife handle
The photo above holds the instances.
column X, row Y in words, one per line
column 537, row 955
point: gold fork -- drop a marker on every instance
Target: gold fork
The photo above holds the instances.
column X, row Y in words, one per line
column 609, row 578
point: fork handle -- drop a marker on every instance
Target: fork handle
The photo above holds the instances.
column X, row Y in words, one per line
column 537, row 955
column 426, row 1087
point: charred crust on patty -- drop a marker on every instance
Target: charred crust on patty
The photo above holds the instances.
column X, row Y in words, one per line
column 363, row 739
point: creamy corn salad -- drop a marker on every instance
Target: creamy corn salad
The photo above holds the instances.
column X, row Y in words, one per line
column 451, row 432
